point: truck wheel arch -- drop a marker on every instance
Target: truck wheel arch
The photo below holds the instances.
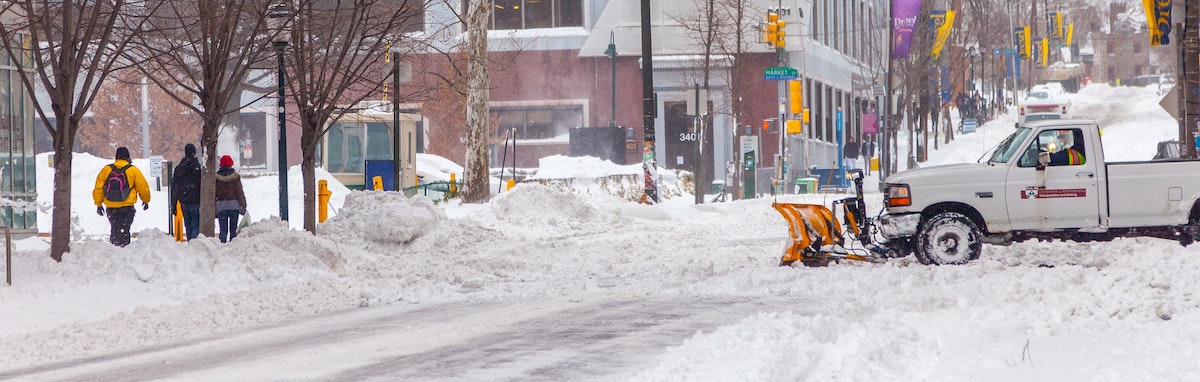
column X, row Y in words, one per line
column 967, row 210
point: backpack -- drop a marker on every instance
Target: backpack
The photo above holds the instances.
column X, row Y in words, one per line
column 116, row 187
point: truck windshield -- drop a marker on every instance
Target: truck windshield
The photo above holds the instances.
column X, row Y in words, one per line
column 1009, row 146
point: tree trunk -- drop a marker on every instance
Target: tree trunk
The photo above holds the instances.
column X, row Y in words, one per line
column 308, row 171
column 60, row 238
column 208, row 184
column 476, row 185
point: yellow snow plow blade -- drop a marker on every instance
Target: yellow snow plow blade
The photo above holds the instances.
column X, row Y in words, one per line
column 816, row 235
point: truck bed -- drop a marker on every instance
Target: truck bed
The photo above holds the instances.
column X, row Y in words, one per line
column 1151, row 193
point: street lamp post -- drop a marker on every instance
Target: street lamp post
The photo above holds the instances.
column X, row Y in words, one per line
column 971, row 84
column 612, row 53
column 277, row 18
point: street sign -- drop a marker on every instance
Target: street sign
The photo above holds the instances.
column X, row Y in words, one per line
column 1170, row 102
column 697, row 99
column 156, row 165
column 781, row 73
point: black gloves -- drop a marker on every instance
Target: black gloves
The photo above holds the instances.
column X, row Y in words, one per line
column 100, row 210
column 145, row 206
column 242, row 211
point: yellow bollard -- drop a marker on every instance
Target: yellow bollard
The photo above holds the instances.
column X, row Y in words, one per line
column 511, row 183
column 453, row 184
column 178, row 220
column 377, row 183
column 323, row 195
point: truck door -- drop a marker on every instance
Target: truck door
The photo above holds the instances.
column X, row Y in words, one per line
column 1063, row 193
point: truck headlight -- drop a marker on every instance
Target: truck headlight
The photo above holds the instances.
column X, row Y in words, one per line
column 897, row 196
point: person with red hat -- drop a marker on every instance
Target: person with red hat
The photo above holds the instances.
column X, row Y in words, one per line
column 231, row 200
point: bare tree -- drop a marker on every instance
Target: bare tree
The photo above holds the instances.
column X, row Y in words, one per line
column 738, row 15
column 200, row 52
column 72, row 48
column 443, row 87
column 338, row 51
column 476, row 182
column 707, row 29
column 117, row 113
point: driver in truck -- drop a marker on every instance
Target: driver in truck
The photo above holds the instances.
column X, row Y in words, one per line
column 1064, row 151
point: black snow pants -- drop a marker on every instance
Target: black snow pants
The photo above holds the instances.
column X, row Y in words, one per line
column 120, row 219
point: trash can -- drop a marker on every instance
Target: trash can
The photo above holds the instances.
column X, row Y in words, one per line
column 718, row 186
column 806, row 185
column 874, row 164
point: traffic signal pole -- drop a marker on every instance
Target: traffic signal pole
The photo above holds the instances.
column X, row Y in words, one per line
column 776, row 36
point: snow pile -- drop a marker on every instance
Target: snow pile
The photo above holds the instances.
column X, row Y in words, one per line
column 384, row 218
column 1122, row 310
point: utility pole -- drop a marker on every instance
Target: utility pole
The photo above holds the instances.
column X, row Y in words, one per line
column 885, row 133
column 649, row 110
column 1190, row 73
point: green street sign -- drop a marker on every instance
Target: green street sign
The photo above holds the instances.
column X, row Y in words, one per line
column 781, row 73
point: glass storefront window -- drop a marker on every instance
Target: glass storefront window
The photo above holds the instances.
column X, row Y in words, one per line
column 542, row 122
column 18, row 183
column 531, row 14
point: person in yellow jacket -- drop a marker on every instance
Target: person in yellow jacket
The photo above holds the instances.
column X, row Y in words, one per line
column 118, row 186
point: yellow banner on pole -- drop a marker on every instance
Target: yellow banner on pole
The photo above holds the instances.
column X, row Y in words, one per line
column 1070, row 33
column 1158, row 21
column 943, row 34
column 1028, row 43
column 1056, row 25
column 1044, row 55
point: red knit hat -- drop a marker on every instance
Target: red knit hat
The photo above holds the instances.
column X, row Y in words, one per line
column 226, row 161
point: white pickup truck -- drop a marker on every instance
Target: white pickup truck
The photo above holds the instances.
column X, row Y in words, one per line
column 1048, row 180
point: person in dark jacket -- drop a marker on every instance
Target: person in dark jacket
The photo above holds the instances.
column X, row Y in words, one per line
column 185, row 189
column 120, row 210
column 851, row 152
column 231, row 200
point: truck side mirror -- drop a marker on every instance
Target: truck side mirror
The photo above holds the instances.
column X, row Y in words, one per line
column 1043, row 160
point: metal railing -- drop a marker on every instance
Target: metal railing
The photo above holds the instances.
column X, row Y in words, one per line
column 7, row 254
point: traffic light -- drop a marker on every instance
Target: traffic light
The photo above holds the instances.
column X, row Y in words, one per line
column 795, row 97
column 771, row 30
column 780, row 41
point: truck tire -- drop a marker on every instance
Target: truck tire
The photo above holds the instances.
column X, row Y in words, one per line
column 948, row 238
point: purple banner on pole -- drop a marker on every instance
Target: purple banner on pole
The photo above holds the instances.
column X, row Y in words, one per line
column 870, row 123
column 904, row 22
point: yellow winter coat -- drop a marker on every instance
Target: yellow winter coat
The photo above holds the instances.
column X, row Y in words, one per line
column 137, row 186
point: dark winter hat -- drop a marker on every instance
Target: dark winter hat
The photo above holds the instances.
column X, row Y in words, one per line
column 189, row 150
column 122, row 153
column 226, row 161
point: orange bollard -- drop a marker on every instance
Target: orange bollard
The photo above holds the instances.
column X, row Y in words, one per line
column 377, row 183
column 178, row 220
column 323, row 195
column 511, row 183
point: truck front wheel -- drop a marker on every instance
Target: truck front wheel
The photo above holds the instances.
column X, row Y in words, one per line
column 948, row 238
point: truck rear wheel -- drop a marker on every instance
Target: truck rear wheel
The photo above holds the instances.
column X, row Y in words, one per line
column 949, row 238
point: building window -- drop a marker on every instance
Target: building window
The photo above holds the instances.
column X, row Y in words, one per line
column 531, row 14
column 542, row 122
column 415, row 11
